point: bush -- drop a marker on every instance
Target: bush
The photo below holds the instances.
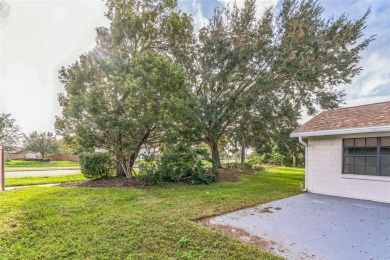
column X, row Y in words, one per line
column 182, row 164
column 96, row 165
column 236, row 165
column 148, row 172
column 185, row 165
column 33, row 160
column 246, row 166
column 276, row 158
column 254, row 159
column 232, row 165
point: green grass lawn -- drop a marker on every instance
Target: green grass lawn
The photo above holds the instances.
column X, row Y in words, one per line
column 118, row 223
column 43, row 180
column 21, row 165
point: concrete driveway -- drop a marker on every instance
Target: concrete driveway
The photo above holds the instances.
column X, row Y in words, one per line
column 313, row 226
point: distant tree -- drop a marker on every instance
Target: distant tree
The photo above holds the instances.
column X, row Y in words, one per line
column 295, row 57
column 68, row 146
column 10, row 133
column 42, row 143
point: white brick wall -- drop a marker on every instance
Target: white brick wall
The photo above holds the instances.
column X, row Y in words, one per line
column 325, row 172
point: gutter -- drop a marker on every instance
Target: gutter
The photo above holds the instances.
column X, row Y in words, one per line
column 344, row 131
column 306, row 161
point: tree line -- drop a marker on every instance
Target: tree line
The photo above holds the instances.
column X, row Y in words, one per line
column 14, row 140
column 241, row 80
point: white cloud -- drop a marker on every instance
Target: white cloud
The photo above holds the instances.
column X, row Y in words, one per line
column 199, row 19
column 260, row 4
column 375, row 77
column 194, row 7
column 4, row 9
column 373, row 83
column 58, row 14
column 39, row 38
column 27, row 98
column 366, row 100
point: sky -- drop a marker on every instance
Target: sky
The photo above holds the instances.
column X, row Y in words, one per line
column 37, row 38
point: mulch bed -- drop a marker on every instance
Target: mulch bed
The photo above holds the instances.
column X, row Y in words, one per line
column 225, row 175
column 106, row 183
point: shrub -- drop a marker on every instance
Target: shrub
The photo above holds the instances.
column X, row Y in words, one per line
column 182, row 164
column 33, row 160
column 96, row 165
column 277, row 158
column 254, row 159
column 246, row 166
column 148, row 172
column 231, row 165
column 236, row 165
column 185, row 165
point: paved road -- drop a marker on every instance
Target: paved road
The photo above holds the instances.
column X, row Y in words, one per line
column 40, row 173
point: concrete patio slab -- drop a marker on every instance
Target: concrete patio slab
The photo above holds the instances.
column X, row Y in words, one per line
column 313, row 226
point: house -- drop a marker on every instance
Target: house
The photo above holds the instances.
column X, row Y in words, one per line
column 15, row 155
column 348, row 152
column 31, row 155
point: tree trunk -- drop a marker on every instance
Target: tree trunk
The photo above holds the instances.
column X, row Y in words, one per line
column 133, row 157
column 215, row 153
column 243, row 148
column 127, row 162
column 120, row 172
column 43, row 156
column 294, row 161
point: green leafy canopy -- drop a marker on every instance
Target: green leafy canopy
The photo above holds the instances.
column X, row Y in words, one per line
column 288, row 60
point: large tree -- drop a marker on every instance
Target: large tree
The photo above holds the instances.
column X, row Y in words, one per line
column 123, row 114
column 10, row 132
column 296, row 56
column 262, row 124
column 43, row 143
column 127, row 92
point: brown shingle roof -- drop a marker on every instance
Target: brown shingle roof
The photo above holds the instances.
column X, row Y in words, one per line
column 350, row 117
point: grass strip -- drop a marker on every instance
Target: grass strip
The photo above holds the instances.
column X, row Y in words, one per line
column 43, row 180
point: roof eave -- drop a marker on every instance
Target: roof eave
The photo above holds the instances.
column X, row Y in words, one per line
column 345, row 131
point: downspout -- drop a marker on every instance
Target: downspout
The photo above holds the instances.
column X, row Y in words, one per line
column 306, row 162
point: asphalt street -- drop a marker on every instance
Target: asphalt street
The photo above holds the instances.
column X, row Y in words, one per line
column 40, row 173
